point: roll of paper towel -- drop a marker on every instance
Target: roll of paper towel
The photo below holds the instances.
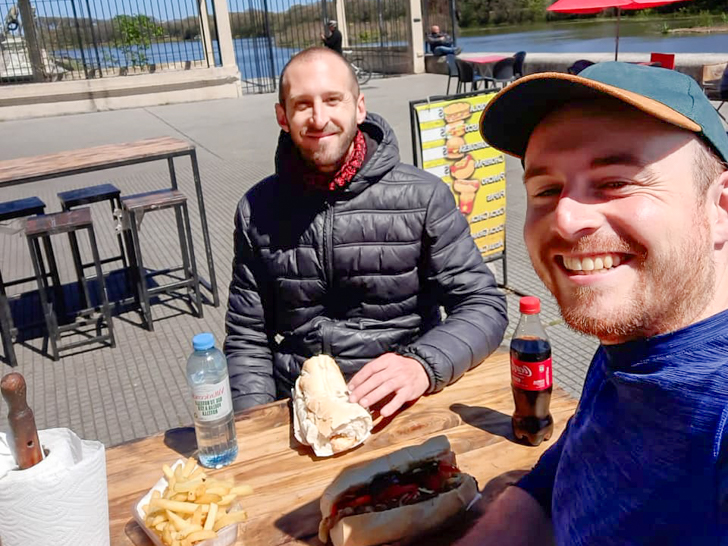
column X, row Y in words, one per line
column 61, row 501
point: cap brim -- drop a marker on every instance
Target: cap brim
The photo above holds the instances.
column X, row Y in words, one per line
column 511, row 116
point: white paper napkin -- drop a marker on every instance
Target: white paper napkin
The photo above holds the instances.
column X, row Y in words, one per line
column 61, row 501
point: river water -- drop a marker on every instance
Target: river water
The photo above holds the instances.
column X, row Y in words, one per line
column 582, row 37
column 594, row 37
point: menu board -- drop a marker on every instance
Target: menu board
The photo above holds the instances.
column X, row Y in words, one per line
column 452, row 149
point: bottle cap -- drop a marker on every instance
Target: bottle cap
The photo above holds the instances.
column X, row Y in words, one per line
column 530, row 305
column 202, row 342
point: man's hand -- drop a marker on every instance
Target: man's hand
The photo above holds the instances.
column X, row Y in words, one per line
column 387, row 374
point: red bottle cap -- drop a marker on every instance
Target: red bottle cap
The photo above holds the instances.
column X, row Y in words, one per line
column 530, row 305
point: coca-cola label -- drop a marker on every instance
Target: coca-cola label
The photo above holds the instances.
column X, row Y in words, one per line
column 531, row 376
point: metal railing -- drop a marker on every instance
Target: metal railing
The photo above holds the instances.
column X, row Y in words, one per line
column 267, row 33
column 54, row 40
column 83, row 39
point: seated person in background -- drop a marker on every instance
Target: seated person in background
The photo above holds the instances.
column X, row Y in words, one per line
column 440, row 42
column 334, row 39
column 349, row 252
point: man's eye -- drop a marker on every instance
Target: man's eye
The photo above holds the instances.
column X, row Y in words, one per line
column 334, row 100
column 613, row 185
column 547, row 192
column 301, row 106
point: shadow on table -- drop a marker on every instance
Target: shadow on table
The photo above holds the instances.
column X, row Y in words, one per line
column 489, row 420
column 302, row 523
column 182, row 440
column 136, row 534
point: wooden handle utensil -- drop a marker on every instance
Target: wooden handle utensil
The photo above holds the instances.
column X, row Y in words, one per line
column 28, row 450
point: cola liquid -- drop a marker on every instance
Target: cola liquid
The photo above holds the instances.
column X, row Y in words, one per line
column 531, row 376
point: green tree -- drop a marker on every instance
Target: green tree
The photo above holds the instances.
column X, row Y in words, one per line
column 133, row 35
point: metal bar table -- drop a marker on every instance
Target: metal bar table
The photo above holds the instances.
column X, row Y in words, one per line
column 23, row 170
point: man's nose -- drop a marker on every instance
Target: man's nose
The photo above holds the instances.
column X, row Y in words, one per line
column 575, row 217
column 318, row 116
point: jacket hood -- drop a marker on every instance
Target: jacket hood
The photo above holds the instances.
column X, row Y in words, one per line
column 384, row 159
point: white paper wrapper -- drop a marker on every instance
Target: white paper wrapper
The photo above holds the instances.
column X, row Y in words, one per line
column 307, row 433
column 225, row 536
column 61, row 501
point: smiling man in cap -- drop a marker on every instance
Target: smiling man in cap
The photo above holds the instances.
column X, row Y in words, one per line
column 627, row 225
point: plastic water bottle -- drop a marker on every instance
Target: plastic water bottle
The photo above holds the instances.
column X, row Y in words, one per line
column 207, row 376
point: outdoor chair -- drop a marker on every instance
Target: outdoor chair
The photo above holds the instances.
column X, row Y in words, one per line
column 184, row 277
column 39, row 229
column 503, row 73
column 452, row 72
column 14, row 210
column 578, row 66
column 520, row 57
column 467, row 75
column 81, row 197
column 666, row 60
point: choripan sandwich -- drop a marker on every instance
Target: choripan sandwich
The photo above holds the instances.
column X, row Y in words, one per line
column 323, row 417
column 404, row 494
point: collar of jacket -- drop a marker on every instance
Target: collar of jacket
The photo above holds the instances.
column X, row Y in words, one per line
column 383, row 159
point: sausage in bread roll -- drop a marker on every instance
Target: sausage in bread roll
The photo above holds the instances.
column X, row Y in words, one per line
column 405, row 493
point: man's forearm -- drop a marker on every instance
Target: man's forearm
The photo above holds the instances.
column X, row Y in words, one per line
column 514, row 518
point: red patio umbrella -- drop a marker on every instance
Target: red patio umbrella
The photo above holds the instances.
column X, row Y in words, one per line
column 595, row 6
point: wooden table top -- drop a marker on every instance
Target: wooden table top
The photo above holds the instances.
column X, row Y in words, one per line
column 288, row 479
column 26, row 169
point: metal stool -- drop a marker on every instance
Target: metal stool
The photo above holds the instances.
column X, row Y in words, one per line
column 85, row 196
column 136, row 206
column 42, row 227
column 11, row 210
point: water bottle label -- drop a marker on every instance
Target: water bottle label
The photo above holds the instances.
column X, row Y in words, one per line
column 212, row 402
column 531, row 376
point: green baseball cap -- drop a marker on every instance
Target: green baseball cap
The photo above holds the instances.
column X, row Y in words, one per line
column 512, row 115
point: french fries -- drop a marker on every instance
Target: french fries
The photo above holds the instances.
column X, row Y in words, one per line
column 192, row 507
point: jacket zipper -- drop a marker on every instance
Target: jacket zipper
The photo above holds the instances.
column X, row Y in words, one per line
column 328, row 267
column 329, row 243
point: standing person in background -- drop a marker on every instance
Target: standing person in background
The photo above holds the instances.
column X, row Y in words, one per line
column 334, row 39
column 349, row 252
column 441, row 43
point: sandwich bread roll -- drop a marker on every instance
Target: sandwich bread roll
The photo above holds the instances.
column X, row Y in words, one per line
column 355, row 508
column 323, row 417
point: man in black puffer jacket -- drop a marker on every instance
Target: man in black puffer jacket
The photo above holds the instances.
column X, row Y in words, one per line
column 348, row 252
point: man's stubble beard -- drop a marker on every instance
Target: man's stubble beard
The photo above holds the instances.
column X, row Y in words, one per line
column 336, row 157
column 671, row 291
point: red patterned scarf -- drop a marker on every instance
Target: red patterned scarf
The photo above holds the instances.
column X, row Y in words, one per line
column 324, row 181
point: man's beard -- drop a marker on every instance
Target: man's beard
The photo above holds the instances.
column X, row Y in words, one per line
column 331, row 156
column 671, row 290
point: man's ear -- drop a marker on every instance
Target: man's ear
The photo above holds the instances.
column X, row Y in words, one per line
column 281, row 117
column 718, row 197
column 361, row 109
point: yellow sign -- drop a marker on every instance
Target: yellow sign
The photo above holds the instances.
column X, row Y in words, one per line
column 454, row 151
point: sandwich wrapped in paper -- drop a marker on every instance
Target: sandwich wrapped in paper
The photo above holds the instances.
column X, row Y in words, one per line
column 412, row 491
column 323, row 417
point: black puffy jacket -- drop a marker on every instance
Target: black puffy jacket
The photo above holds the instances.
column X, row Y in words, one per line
column 355, row 273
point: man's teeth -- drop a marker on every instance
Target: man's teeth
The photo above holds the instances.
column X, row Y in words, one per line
column 594, row 263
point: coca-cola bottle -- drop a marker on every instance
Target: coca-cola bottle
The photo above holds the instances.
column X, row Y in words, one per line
column 531, row 375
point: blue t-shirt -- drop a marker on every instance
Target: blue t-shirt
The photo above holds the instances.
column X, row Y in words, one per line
column 643, row 460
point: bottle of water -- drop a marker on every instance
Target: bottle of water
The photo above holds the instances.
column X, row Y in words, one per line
column 207, row 376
